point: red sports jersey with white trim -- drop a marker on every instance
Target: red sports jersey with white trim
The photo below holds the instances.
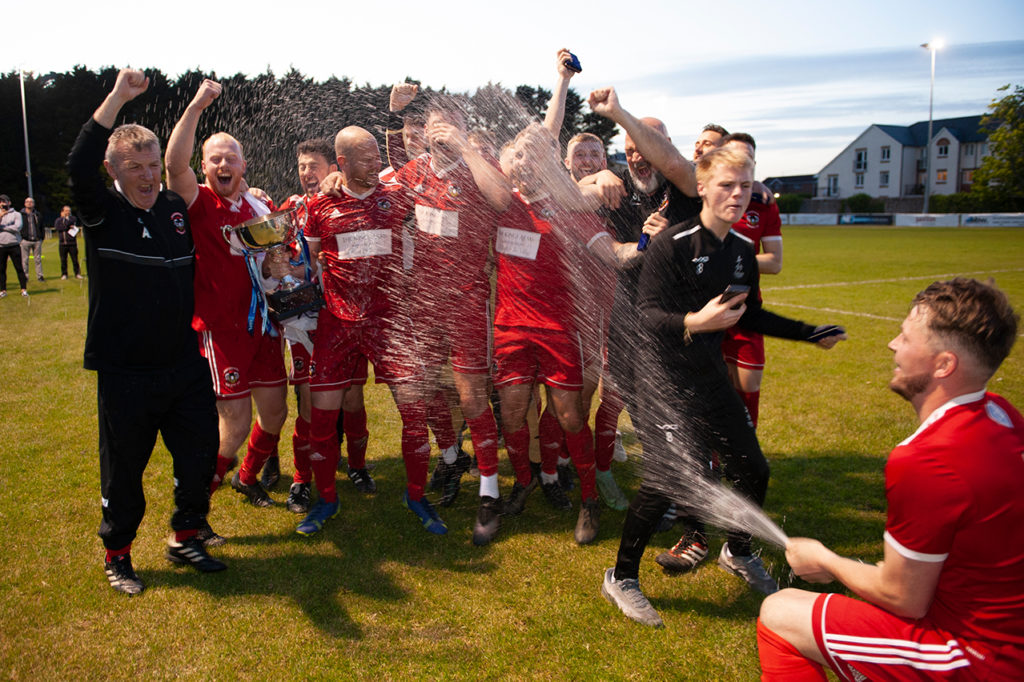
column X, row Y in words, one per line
column 956, row 494
column 223, row 289
column 454, row 227
column 760, row 223
column 361, row 239
column 542, row 263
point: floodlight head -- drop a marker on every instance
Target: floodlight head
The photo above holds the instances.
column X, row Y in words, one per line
column 934, row 45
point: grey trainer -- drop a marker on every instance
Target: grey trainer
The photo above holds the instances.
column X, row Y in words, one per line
column 750, row 568
column 631, row 601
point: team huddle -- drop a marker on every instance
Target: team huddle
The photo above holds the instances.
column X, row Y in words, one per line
column 599, row 276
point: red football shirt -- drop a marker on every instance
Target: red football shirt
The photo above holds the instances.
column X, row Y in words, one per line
column 760, row 223
column 954, row 490
column 361, row 239
column 454, row 227
column 543, row 264
column 223, row 288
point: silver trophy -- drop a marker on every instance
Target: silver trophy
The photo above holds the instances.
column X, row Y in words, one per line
column 274, row 234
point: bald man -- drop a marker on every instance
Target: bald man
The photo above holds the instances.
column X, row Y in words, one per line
column 357, row 235
column 244, row 351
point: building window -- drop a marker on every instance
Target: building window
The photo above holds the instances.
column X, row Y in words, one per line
column 969, row 149
column 943, row 148
column 885, row 154
column 940, row 176
column 860, row 160
column 883, row 179
column 832, row 190
column 858, row 179
column 968, row 176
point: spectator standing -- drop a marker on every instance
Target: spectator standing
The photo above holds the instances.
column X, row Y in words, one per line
column 66, row 228
column 32, row 235
column 10, row 238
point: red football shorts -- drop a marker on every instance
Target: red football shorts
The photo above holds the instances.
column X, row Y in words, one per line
column 459, row 328
column 856, row 636
column 743, row 348
column 526, row 355
column 240, row 361
column 300, row 357
column 342, row 349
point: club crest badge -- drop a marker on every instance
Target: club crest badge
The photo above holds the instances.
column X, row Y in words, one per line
column 547, row 213
column 298, row 365
column 753, row 218
column 384, row 205
column 232, row 376
column 454, row 191
column 178, row 220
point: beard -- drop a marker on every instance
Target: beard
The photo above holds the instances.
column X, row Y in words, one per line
column 650, row 184
column 909, row 387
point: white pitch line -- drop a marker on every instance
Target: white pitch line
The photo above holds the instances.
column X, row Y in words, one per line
column 886, row 281
column 775, row 304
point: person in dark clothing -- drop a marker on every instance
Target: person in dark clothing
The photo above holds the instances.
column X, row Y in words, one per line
column 690, row 408
column 150, row 376
column 32, row 236
column 67, row 242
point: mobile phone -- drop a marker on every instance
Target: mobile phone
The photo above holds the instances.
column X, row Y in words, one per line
column 641, row 244
column 572, row 63
column 732, row 291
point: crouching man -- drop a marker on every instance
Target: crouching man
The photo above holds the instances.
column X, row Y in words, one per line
column 947, row 601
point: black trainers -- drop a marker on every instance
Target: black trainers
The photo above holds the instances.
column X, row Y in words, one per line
column 488, row 520
column 271, row 473
column 209, row 536
column 122, row 576
column 565, row 474
column 685, row 556
column 298, row 498
column 442, row 469
column 257, row 495
column 554, row 493
column 192, row 553
column 452, row 482
column 587, row 523
column 516, row 500
column 363, row 481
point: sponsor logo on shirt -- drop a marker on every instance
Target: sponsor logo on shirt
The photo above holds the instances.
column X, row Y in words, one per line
column 700, row 261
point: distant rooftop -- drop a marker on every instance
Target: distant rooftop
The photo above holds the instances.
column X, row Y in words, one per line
column 963, row 128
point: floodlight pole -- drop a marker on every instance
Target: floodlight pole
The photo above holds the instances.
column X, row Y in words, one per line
column 932, row 47
column 24, row 126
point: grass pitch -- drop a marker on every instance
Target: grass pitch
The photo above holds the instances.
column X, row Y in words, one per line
column 374, row 596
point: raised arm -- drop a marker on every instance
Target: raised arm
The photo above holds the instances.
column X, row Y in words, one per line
column 655, row 147
column 180, row 176
column 493, row 185
column 556, row 106
column 394, row 145
column 130, row 84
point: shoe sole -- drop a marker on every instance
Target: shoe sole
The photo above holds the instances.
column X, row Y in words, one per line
column 674, row 569
column 213, row 566
column 729, row 569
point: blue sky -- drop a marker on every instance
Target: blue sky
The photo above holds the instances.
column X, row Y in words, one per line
column 804, row 77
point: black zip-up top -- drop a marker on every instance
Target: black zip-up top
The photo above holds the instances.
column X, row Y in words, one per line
column 684, row 268
column 140, row 269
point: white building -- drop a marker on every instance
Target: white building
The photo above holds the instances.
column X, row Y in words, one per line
column 889, row 161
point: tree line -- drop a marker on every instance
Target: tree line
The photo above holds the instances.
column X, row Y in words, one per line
column 268, row 114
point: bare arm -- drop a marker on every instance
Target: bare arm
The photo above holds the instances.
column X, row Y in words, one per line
column 493, row 185
column 899, row 585
column 394, row 146
column 608, row 186
column 770, row 261
column 655, row 147
column 556, row 106
column 130, row 84
column 180, row 176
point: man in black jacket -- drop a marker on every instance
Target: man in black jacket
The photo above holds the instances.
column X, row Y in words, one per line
column 150, row 376
column 67, row 238
column 689, row 404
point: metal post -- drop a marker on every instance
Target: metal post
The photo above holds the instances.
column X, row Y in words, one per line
column 24, row 124
column 932, row 47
